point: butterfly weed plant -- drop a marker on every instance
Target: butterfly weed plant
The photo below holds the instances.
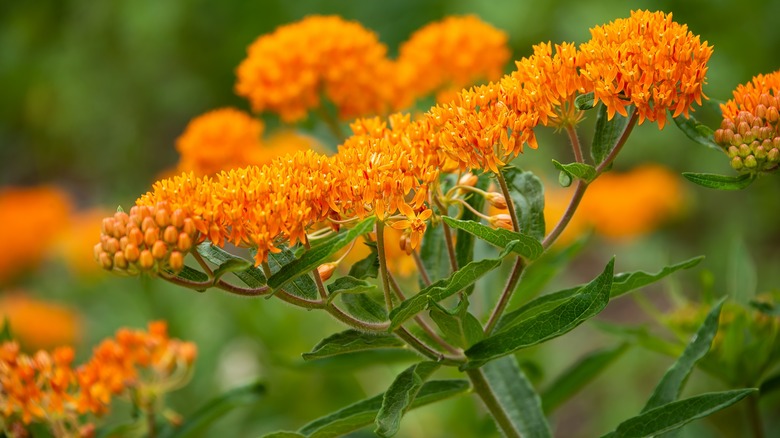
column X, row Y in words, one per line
column 431, row 185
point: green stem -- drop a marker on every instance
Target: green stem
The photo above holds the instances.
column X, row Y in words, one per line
column 316, row 274
column 483, row 390
column 203, row 264
column 575, row 143
column 426, row 279
column 151, row 423
column 427, row 351
column 447, row 235
column 503, row 301
column 380, row 246
column 356, row 323
column 509, row 204
column 754, row 412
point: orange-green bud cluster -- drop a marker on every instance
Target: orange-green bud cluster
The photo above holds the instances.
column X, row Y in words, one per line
column 749, row 131
column 148, row 239
column 46, row 388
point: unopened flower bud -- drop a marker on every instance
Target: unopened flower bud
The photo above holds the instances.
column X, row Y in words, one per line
column 176, row 261
column 177, row 218
column 120, row 262
column 736, row 163
column 184, row 243
column 171, row 234
column 497, row 200
column 468, row 179
column 733, row 151
column 502, row 220
column 159, row 250
column 405, row 243
column 189, row 226
column 750, row 162
column 106, row 261
column 760, row 110
column 135, row 236
column 162, row 218
column 743, row 128
column 772, row 115
column 326, row 270
column 150, row 236
column 744, row 150
column 98, row 248
column 147, row 223
column 146, row 259
column 132, row 253
column 773, row 155
column 760, row 153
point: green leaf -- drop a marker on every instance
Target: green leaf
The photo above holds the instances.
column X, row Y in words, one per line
column 449, row 286
column 459, row 327
column 215, row 409
column 584, row 101
column 302, row 286
column 517, row 397
column 399, row 397
column 622, row 283
column 350, row 341
column 676, row 414
column 527, row 192
column 640, row 336
column 528, row 247
column 607, row 132
column 369, row 266
column 581, row 171
column 720, row 182
column 283, row 434
column 586, row 303
column 318, row 254
column 671, row 384
column 364, row 308
column 575, row 378
column 464, row 241
column 741, row 271
column 697, row 131
column 433, row 253
column 232, row 265
column 190, row 274
column 363, row 413
column 349, row 285
column 251, row 276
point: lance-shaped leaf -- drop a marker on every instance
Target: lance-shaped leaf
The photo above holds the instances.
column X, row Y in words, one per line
column 433, row 253
column 696, row 131
column 527, row 193
column 447, row 287
column 584, row 101
column 622, row 283
column 720, row 182
column 190, row 274
column 527, row 247
column 251, row 276
column 318, row 254
column 564, row 317
column 350, row 341
column 575, row 378
column 362, row 413
column 368, row 267
column 400, row 395
column 232, row 265
column 608, row 132
column 197, row 423
column 581, row 171
column 302, row 286
column 458, row 327
column 516, row 397
column 670, row 386
column 364, row 308
column 349, row 285
column 676, row 414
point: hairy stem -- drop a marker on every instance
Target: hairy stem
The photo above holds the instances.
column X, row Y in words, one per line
column 483, row 390
column 380, row 246
column 316, row 274
column 354, row 322
column 575, row 143
column 447, row 235
column 509, row 204
column 425, row 350
column 503, row 301
column 203, row 264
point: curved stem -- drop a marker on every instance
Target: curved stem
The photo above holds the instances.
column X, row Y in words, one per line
column 503, row 301
column 198, row 286
column 575, row 143
column 509, row 204
column 354, row 322
column 316, row 274
column 298, row 301
column 447, row 236
column 483, row 390
column 242, row 291
column 203, row 264
column 425, row 350
column 380, row 246
column 426, row 278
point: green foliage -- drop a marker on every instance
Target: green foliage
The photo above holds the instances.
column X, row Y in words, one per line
column 400, row 395
column 250, row 275
column 459, row 327
column 232, row 265
column 364, row 308
column 584, row 101
column 585, row 172
column 302, row 286
column 720, row 182
column 527, row 192
column 586, row 303
column 525, row 245
column 676, row 414
column 607, row 132
column 349, row 285
column 696, row 131
column 449, row 286
column 433, row 253
column 516, row 397
column 190, row 274
column 578, row 375
column 367, row 267
column 350, row 341
column 319, row 254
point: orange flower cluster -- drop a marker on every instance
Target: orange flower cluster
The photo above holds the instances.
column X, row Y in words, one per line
column 451, row 54
column 646, row 60
column 220, row 139
column 287, row 70
column 46, row 388
column 32, row 218
column 749, row 131
column 37, row 323
column 150, row 238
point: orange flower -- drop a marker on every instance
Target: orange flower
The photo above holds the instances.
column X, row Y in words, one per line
column 286, row 71
column 32, row 218
column 646, row 60
column 75, row 243
column 414, row 224
column 749, row 131
column 37, row 323
column 451, row 54
column 217, row 140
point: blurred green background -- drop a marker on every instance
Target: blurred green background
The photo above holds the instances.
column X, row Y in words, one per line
column 94, row 95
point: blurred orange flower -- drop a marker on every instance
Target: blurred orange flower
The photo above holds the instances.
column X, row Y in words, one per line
column 76, row 243
column 37, row 323
column 32, row 219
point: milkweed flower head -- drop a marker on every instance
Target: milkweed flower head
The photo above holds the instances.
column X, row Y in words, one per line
column 220, row 139
column 646, row 60
column 451, row 54
column 749, row 131
column 286, row 71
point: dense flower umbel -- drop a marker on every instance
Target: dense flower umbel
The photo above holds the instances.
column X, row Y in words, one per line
column 287, row 70
column 220, row 139
column 749, row 131
column 451, row 54
column 646, row 60
column 45, row 388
